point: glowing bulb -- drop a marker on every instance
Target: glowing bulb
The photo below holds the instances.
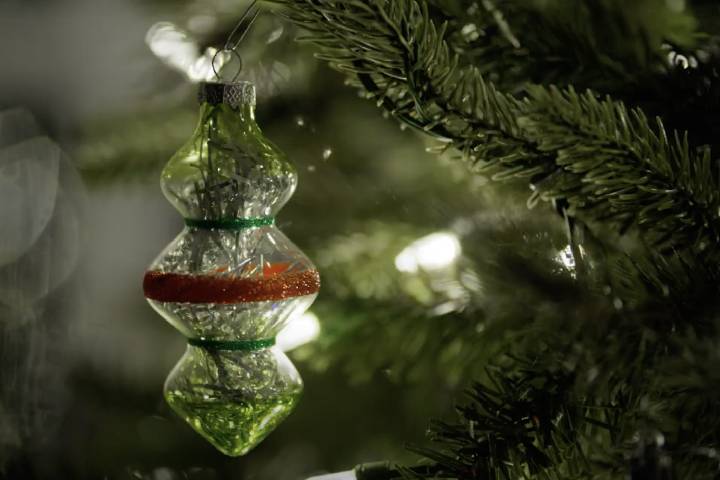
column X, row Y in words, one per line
column 470, row 32
column 566, row 258
column 172, row 45
column 180, row 51
column 300, row 331
column 434, row 252
column 201, row 69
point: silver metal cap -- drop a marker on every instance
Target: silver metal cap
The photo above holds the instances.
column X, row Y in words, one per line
column 233, row 94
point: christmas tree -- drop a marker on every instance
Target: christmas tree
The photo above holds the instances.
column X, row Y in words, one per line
column 595, row 108
column 520, row 282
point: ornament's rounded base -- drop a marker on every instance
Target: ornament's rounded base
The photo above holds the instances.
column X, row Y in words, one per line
column 232, row 398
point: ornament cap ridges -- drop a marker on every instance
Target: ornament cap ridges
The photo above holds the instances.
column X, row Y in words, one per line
column 234, row 94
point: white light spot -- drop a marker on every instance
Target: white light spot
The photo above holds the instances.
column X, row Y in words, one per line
column 300, row 121
column 470, row 32
column 348, row 475
column 275, row 35
column 566, row 258
column 433, row 252
column 327, row 153
column 300, row 331
column 617, row 303
column 181, row 52
column 172, row 45
column 682, row 61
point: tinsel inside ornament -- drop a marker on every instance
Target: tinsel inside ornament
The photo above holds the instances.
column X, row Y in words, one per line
column 233, row 398
column 231, row 280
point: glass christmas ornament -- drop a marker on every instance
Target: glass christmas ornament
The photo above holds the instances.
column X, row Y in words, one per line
column 231, row 280
column 233, row 398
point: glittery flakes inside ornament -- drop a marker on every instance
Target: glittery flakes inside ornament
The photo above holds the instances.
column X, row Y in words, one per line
column 233, row 398
column 232, row 427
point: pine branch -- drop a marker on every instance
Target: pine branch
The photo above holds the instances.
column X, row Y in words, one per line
column 525, row 425
column 644, row 53
column 574, row 413
column 569, row 413
column 432, row 322
column 614, row 166
column 638, row 175
column 602, row 44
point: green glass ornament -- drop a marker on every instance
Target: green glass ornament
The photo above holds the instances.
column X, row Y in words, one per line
column 233, row 398
column 231, row 280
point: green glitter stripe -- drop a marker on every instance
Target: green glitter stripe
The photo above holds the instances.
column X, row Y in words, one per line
column 234, row 345
column 230, row 223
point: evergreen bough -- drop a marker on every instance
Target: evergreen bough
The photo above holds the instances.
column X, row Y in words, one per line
column 617, row 388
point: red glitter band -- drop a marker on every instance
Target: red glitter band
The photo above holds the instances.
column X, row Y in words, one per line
column 184, row 288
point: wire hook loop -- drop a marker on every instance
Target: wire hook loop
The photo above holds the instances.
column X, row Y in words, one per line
column 231, row 44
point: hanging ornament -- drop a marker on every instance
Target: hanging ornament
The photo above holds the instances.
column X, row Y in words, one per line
column 231, row 280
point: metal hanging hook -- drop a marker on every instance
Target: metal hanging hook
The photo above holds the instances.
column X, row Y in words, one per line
column 244, row 24
column 232, row 43
column 231, row 52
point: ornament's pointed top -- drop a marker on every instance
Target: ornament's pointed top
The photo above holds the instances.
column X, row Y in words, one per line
column 234, row 94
